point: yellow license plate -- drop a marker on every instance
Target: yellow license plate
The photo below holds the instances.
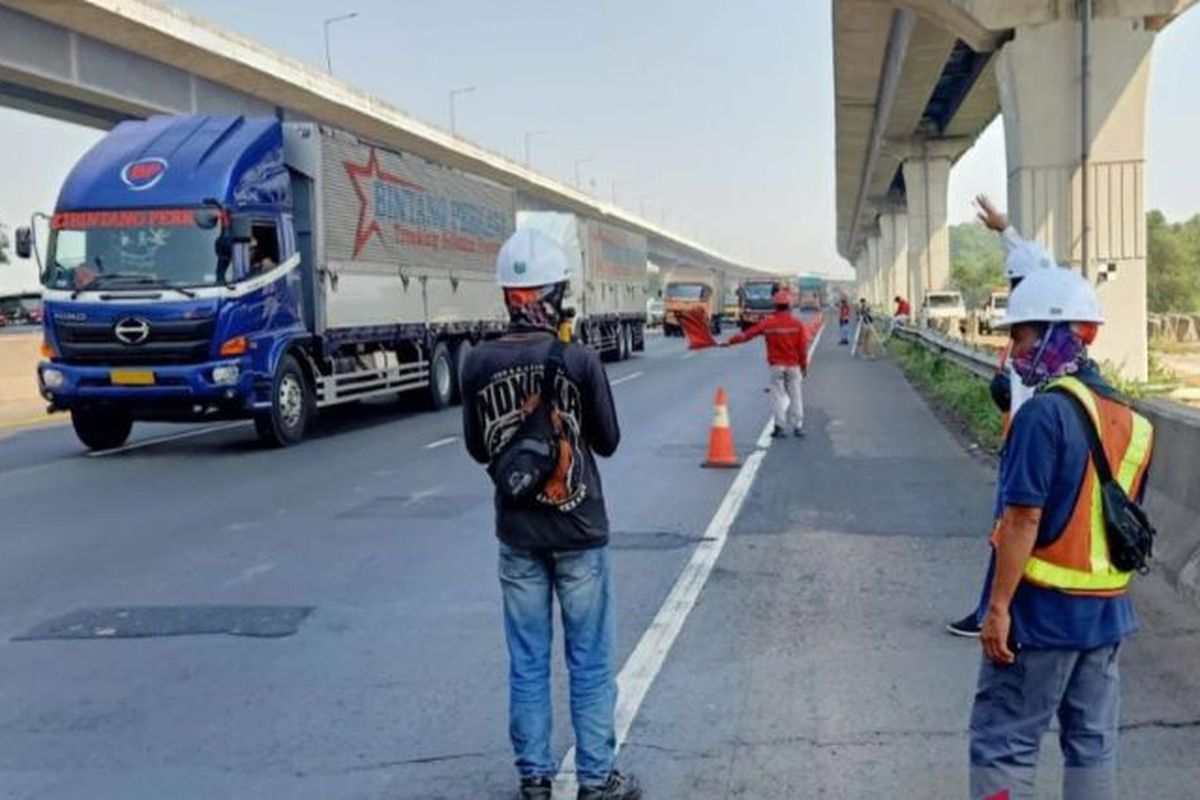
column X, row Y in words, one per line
column 131, row 377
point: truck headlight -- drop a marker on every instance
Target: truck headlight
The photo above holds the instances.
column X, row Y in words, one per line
column 52, row 379
column 225, row 374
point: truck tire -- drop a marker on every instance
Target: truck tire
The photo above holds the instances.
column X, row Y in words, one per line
column 101, row 430
column 291, row 409
column 716, row 325
column 622, row 342
column 461, row 351
column 440, row 392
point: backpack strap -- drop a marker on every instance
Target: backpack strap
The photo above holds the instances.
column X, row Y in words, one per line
column 1099, row 457
column 554, row 366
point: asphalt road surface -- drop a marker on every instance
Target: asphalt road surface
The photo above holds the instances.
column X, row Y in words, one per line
column 324, row 622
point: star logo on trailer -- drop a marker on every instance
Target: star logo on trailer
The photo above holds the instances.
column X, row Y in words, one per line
column 144, row 173
column 363, row 178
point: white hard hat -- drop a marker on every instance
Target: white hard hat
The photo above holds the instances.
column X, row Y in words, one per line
column 1025, row 258
column 530, row 258
column 1053, row 295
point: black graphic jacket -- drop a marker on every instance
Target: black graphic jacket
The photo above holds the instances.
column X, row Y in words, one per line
column 497, row 378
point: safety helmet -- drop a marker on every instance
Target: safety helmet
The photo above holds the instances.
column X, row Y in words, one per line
column 1025, row 258
column 530, row 258
column 1053, row 295
column 782, row 298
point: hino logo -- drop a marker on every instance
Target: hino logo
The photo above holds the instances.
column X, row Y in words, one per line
column 132, row 330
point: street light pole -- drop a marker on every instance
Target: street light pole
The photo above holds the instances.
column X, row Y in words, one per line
column 578, row 163
column 528, row 138
column 453, row 93
column 325, row 24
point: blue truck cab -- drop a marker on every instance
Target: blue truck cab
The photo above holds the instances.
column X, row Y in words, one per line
column 171, row 282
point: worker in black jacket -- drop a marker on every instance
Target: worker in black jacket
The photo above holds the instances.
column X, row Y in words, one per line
column 556, row 545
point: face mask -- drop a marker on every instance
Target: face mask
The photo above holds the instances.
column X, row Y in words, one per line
column 1058, row 352
column 538, row 307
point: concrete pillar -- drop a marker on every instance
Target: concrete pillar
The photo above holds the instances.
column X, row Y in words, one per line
column 873, row 270
column 861, row 273
column 893, row 228
column 926, row 182
column 1039, row 75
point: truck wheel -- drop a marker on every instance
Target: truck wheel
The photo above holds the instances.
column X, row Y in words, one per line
column 716, row 326
column 441, row 378
column 101, row 430
column 461, row 351
column 291, row 406
column 622, row 342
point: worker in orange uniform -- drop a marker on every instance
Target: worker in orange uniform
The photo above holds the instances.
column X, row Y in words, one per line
column 787, row 355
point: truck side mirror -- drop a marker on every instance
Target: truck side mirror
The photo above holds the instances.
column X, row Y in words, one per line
column 207, row 218
column 24, row 242
column 240, row 229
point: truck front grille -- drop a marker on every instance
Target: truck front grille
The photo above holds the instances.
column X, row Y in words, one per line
column 174, row 342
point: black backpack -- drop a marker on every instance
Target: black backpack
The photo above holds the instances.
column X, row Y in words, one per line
column 1127, row 527
column 526, row 464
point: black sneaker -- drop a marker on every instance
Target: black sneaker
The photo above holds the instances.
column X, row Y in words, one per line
column 778, row 433
column 800, row 432
column 967, row 627
column 535, row 789
column 619, row 787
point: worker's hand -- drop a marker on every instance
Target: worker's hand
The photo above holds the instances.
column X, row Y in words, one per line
column 989, row 215
column 994, row 638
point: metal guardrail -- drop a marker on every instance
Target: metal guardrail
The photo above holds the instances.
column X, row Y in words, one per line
column 980, row 362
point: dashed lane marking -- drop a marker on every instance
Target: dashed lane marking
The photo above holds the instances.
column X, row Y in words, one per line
column 441, row 442
column 626, row 378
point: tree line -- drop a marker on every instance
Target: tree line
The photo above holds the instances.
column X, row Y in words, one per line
column 1172, row 263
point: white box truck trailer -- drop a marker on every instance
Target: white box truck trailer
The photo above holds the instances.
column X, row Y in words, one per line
column 608, row 280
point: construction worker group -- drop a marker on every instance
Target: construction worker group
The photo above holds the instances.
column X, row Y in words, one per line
column 1068, row 531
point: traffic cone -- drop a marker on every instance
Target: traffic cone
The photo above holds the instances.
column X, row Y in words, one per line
column 720, row 437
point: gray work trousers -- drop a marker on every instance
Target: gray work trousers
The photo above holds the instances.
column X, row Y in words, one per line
column 787, row 398
column 1014, row 706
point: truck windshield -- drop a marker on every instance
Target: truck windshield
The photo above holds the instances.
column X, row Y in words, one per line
column 944, row 300
column 758, row 295
column 137, row 247
column 685, row 291
column 1000, row 302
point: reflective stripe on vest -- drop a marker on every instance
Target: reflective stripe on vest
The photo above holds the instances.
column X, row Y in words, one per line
column 1078, row 562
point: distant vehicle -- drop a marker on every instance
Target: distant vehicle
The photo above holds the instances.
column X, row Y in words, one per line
column 943, row 310
column 21, row 309
column 993, row 311
column 655, row 311
column 229, row 267
column 608, row 276
column 686, row 288
column 754, row 300
column 811, row 296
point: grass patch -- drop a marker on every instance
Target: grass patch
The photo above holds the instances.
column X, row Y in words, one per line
column 961, row 394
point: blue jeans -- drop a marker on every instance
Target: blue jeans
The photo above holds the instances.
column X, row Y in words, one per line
column 1014, row 706
column 583, row 584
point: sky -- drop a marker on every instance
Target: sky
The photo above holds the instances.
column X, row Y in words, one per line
column 715, row 117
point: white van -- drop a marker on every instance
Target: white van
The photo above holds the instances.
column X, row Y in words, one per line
column 943, row 310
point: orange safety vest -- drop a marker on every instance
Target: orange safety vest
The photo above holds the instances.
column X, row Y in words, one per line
column 1077, row 561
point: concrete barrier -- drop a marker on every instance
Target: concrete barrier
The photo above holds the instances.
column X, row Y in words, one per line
column 19, row 398
column 1173, row 495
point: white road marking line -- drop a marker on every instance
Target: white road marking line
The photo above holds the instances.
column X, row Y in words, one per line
column 689, row 354
column 647, row 658
column 441, row 442
column 161, row 439
column 626, row 378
